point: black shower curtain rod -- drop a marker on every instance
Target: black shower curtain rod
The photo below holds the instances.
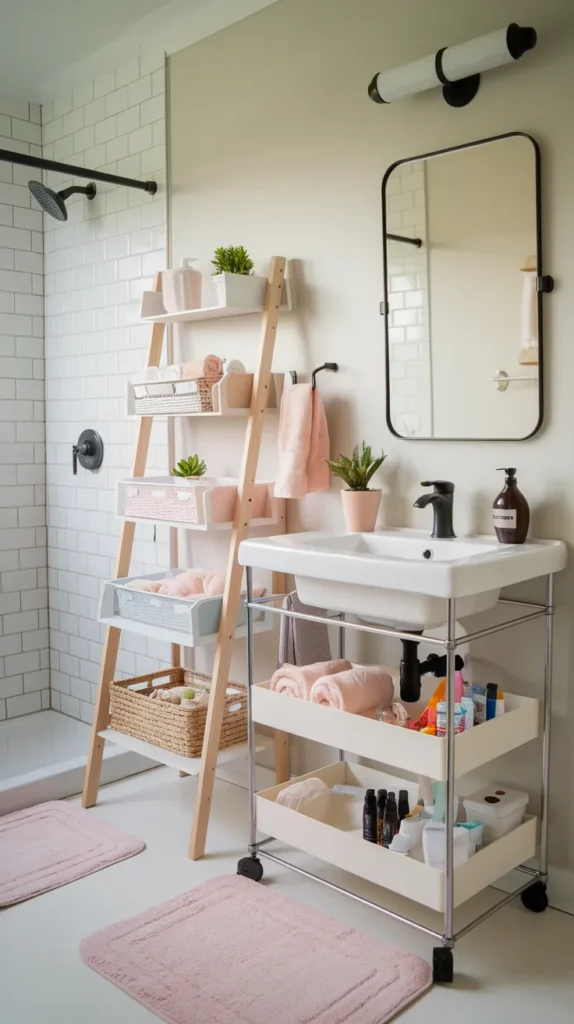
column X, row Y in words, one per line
column 76, row 172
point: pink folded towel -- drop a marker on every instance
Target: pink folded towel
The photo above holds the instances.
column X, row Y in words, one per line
column 185, row 584
column 210, row 366
column 297, row 680
column 319, row 448
column 355, row 690
column 306, row 795
column 150, row 586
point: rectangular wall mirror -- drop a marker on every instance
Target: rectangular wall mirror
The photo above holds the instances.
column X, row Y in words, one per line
column 463, row 313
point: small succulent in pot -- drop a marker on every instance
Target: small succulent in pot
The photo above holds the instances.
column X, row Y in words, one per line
column 232, row 259
column 360, row 502
column 191, row 467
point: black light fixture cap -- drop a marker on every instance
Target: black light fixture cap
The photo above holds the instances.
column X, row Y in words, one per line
column 519, row 40
column 373, row 90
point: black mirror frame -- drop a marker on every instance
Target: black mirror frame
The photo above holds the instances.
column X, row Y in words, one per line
column 545, row 283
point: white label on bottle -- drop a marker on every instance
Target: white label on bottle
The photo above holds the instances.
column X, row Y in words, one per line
column 504, row 518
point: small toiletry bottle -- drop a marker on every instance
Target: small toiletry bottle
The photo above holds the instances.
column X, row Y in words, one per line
column 479, row 701
column 370, row 817
column 510, row 512
column 390, row 820
column 491, row 700
column 381, row 803
column 499, row 703
column 467, row 705
column 458, row 687
column 403, row 807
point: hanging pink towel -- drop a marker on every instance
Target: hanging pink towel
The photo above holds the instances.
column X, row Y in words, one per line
column 294, row 441
column 319, row 448
column 303, row 443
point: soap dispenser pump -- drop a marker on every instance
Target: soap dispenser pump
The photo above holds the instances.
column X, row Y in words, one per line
column 510, row 512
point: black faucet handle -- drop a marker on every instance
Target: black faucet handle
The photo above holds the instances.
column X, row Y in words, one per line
column 440, row 486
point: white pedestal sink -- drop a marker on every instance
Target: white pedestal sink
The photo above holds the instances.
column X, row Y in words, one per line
column 402, row 578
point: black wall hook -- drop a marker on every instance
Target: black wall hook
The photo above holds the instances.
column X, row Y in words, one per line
column 325, row 366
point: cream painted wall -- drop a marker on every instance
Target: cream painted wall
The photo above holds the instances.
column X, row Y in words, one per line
column 481, row 205
column 276, row 145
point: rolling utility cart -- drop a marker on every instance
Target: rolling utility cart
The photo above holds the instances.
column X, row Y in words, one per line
column 340, row 843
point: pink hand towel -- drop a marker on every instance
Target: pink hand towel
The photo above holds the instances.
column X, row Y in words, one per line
column 210, row 366
column 297, row 680
column 213, row 583
column 356, row 690
column 185, row 584
column 149, row 586
column 295, row 420
column 319, row 448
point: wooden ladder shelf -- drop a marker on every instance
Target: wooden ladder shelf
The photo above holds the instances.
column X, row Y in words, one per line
column 232, row 591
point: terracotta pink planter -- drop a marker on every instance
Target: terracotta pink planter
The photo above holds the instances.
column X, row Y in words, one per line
column 360, row 509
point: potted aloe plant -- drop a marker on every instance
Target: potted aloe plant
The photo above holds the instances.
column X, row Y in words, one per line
column 233, row 277
column 360, row 503
column 191, row 468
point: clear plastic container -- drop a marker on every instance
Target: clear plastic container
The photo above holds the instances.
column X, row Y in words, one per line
column 500, row 810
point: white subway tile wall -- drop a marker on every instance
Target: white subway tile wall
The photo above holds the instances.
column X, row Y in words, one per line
column 96, row 266
column 24, row 646
column 409, row 322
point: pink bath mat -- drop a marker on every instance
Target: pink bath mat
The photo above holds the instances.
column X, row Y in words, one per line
column 52, row 844
column 235, row 952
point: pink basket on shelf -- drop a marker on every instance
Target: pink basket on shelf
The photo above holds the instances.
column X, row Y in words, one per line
column 197, row 502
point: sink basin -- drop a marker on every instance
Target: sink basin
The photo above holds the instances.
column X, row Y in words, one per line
column 402, row 577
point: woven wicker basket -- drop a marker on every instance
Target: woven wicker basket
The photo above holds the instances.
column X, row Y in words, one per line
column 170, row 726
column 186, row 397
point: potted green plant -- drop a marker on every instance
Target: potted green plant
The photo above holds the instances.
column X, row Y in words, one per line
column 191, row 468
column 233, row 277
column 360, row 502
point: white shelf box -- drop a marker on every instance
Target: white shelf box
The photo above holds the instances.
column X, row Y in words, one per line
column 389, row 744
column 336, row 836
column 206, row 503
column 190, row 622
column 230, row 396
column 221, row 298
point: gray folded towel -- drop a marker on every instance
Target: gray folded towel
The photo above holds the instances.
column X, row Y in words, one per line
column 302, row 642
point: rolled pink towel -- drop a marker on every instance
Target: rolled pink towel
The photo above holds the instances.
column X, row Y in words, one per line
column 210, row 366
column 213, row 583
column 185, row 584
column 355, row 690
column 297, row 680
column 150, row 586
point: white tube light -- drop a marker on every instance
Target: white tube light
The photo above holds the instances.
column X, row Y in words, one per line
column 456, row 68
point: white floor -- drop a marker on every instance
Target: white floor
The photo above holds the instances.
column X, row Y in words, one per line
column 516, row 967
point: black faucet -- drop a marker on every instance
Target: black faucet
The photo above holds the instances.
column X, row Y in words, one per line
column 441, row 500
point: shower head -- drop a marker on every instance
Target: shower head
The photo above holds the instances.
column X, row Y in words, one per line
column 54, row 202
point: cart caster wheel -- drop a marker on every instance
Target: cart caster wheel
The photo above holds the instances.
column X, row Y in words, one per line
column 250, row 867
column 442, row 965
column 535, row 898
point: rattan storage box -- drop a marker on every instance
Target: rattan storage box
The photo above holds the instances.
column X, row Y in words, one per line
column 170, row 726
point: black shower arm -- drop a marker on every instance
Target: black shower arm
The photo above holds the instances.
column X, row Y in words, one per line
column 76, row 172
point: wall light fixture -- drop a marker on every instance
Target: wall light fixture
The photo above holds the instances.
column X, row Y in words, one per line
column 456, row 68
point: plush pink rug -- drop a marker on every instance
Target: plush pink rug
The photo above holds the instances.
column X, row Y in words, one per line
column 232, row 951
column 52, row 844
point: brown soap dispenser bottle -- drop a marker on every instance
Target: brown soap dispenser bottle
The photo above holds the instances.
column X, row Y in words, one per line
column 510, row 512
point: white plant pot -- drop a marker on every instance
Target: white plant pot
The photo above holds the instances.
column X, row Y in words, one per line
column 243, row 291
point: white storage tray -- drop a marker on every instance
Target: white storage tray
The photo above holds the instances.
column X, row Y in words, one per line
column 412, row 751
column 338, row 840
column 204, row 504
column 231, row 396
column 187, row 622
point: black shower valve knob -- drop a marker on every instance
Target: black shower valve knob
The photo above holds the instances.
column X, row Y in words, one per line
column 88, row 451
